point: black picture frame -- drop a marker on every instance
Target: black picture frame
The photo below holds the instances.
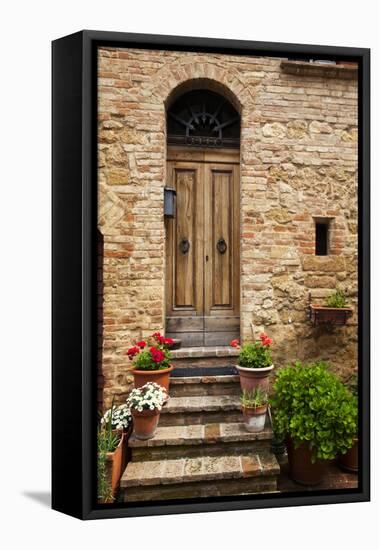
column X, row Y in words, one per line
column 74, row 207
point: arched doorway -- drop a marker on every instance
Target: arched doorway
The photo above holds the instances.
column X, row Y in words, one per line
column 203, row 238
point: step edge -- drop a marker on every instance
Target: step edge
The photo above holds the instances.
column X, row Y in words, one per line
column 156, row 441
column 194, row 478
column 190, row 404
column 204, row 352
column 206, row 380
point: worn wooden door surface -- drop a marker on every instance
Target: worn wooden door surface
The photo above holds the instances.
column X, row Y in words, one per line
column 202, row 248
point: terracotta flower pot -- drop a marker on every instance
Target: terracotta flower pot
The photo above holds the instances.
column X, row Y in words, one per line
column 252, row 378
column 301, row 468
column 254, row 418
column 161, row 377
column 349, row 461
column 145, row 423
column 114, row 464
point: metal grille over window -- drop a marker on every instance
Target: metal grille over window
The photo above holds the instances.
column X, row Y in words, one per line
column 204, row 119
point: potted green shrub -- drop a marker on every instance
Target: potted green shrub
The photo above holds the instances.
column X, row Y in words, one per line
column 254, row 408
column 349, row 460
column 335, row 311
column 145, row 405
column 254, row 363
column 151, row 361
column 317, row 416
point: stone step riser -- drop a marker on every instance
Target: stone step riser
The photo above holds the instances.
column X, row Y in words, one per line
column 204, row 362
column 191, row 390
column 202, row 489
column 231, row 448
column 203, row 417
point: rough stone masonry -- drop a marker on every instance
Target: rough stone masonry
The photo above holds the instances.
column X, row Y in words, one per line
column 298, row 163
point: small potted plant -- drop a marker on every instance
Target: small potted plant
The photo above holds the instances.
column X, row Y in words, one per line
column 315, row 413
column 334, row 312
column 151, row 361
column 107, row 447
column 119, row 419
column 145, row 405
column 349, row 460
column 254, row 408
column 254, row 363
column 110, row 453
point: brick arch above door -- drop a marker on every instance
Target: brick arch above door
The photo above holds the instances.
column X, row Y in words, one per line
column 174, row 78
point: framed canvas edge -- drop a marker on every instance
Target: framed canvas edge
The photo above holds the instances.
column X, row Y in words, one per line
column 85, row 493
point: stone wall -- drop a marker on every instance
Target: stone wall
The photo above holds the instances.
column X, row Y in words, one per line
column 298, row 163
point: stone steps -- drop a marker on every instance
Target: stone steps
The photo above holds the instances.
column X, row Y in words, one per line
column 171, row 442
column 201, row 447
column 200, row 477
column 191, row 386
column 184, row 411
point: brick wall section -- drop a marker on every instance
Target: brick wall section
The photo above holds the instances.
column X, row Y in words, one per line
column 298, row 161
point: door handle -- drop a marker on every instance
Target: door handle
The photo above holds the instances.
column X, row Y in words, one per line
column 222, row 246
column 184, row 246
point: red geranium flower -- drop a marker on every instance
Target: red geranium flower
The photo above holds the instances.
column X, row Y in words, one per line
column 141, row 344
column 159, row 338
column 157, row 355
column 132, row 352
column 235, row 343
column 266, row 341
column 168, row 341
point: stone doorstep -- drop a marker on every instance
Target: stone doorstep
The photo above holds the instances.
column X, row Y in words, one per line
column 201, row 434
column 187, row 470
column 202, row 403
column 222, row 379
column 200, row 352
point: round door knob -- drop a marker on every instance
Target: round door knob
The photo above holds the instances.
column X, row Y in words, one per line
column 222, row 246
column 184, row 246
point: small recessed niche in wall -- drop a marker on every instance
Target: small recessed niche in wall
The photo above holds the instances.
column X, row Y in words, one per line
column 322, row 236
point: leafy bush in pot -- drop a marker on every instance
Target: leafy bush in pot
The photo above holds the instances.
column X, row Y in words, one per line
column 310, row 404
column 255, row 355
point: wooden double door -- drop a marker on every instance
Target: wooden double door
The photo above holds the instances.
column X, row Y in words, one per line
column 202, row 247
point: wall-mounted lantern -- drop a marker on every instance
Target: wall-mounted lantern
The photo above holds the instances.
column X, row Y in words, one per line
column 169, row 202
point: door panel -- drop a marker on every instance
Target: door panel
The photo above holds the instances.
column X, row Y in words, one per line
column 185, row 238
column 220, row 236
column 222, row 240
column 202, row 250
column 185, row 273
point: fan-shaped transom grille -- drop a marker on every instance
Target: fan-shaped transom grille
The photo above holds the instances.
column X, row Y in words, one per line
column 205, row 119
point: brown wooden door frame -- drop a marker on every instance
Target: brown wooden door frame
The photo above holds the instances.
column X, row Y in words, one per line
column 209, row 183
